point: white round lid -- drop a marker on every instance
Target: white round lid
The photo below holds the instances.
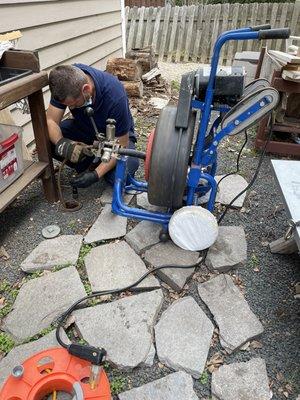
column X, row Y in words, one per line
column 193, row 228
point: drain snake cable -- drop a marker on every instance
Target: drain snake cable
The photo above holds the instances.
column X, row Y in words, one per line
column 85, row 351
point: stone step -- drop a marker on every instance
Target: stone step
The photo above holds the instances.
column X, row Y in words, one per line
column 183, row 335
column 144, row 235
column 41, row 300
column 123, row 327
column 244, row 380
column 236, row 321
column 170, row 254
column 177, row 386
column 229, row 251
column 50, row 253
column 115, row 265
column 107, row 226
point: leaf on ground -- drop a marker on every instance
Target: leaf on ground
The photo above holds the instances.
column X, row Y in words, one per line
column 279, row 376
column 215, row 362
column 4, row 254
column 255, row 344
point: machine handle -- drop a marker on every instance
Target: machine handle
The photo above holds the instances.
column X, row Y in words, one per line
column 260, row 27
column 281, row 33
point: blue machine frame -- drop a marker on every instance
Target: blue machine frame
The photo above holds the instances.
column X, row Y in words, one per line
column 204, row 159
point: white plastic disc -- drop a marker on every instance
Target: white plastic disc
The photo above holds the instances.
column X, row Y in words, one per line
column 193, row 228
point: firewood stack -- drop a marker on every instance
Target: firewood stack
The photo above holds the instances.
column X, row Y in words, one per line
column 130, row 70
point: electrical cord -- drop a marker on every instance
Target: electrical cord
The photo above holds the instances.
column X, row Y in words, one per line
column 75, row 306
column 237, row 161
column 256, row 171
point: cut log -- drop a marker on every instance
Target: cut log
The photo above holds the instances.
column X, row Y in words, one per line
column 145, row 58
column 133, row 89
column 282, row 246
column 125, row 70
column 154, row 73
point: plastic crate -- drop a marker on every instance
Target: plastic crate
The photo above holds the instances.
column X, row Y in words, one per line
column 11, row 157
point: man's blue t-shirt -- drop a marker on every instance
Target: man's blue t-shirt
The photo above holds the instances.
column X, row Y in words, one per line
column 110, row 102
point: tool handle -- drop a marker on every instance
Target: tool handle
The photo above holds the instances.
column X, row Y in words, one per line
column 260, row 27
column 281, row 33
column 92, row 354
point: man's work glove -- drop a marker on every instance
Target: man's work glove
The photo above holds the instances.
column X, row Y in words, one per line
column 72, row 151
column 85, row 179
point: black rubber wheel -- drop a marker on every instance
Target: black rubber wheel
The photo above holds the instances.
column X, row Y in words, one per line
column 169, row 160
column 164, row 236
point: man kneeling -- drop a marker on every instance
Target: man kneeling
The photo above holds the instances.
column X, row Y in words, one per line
column 79, row 86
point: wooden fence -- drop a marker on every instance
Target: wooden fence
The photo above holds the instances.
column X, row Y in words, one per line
column 146, row 3
column 188, row 33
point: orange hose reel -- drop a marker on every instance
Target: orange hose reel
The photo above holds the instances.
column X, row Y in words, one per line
column 55, row 369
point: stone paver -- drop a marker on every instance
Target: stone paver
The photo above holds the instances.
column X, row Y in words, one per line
column 50, row 253
column 177, row 386
column 159, row 102
column 107, row 226
column 144, row 235
column 124, row 327
column 142, row 201
column 107, row 195
column 231, row 186
column 241, row 381
column 170, row 254
column 20, row 353
column 236, row 321
column 115, row 265
column 42, row 300
column 183, row 335
column 230, row 249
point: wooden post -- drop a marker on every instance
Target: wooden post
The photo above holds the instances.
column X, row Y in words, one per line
column 39, row 123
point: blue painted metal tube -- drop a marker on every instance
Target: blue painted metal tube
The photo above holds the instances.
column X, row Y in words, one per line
column 118, row 207
column 138, row 184
column 232, row 35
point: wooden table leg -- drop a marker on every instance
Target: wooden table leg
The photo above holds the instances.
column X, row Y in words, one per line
column 39, row 123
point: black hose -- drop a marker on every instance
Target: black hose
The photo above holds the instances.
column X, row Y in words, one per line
column 132, row 153
column 256, row 171
column 74, row 306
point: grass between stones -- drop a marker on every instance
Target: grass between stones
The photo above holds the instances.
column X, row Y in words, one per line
column 6, row 343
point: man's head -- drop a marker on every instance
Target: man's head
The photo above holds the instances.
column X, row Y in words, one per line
column 70, row 86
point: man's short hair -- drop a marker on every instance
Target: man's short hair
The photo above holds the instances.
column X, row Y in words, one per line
column 66, row 81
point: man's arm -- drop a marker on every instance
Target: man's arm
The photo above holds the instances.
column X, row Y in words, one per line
column 103, row 168
column 54, row 116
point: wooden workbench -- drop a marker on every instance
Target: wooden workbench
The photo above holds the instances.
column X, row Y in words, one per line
column 30, row 86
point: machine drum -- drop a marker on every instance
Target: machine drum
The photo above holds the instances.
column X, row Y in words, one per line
column 169, row 160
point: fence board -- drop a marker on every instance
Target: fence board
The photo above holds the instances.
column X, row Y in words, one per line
column 196, row 53
column 225, row 16
column 149, row 13
column 168, row 9
column 131, row 37
column 215, row 29
column 173, row 33
column 188, row 33
column 181, row 33
column 156, row 30
column 232, row 46
column 242, row 24
column 141, row 15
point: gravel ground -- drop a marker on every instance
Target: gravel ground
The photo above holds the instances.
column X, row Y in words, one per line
column 267, row 280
